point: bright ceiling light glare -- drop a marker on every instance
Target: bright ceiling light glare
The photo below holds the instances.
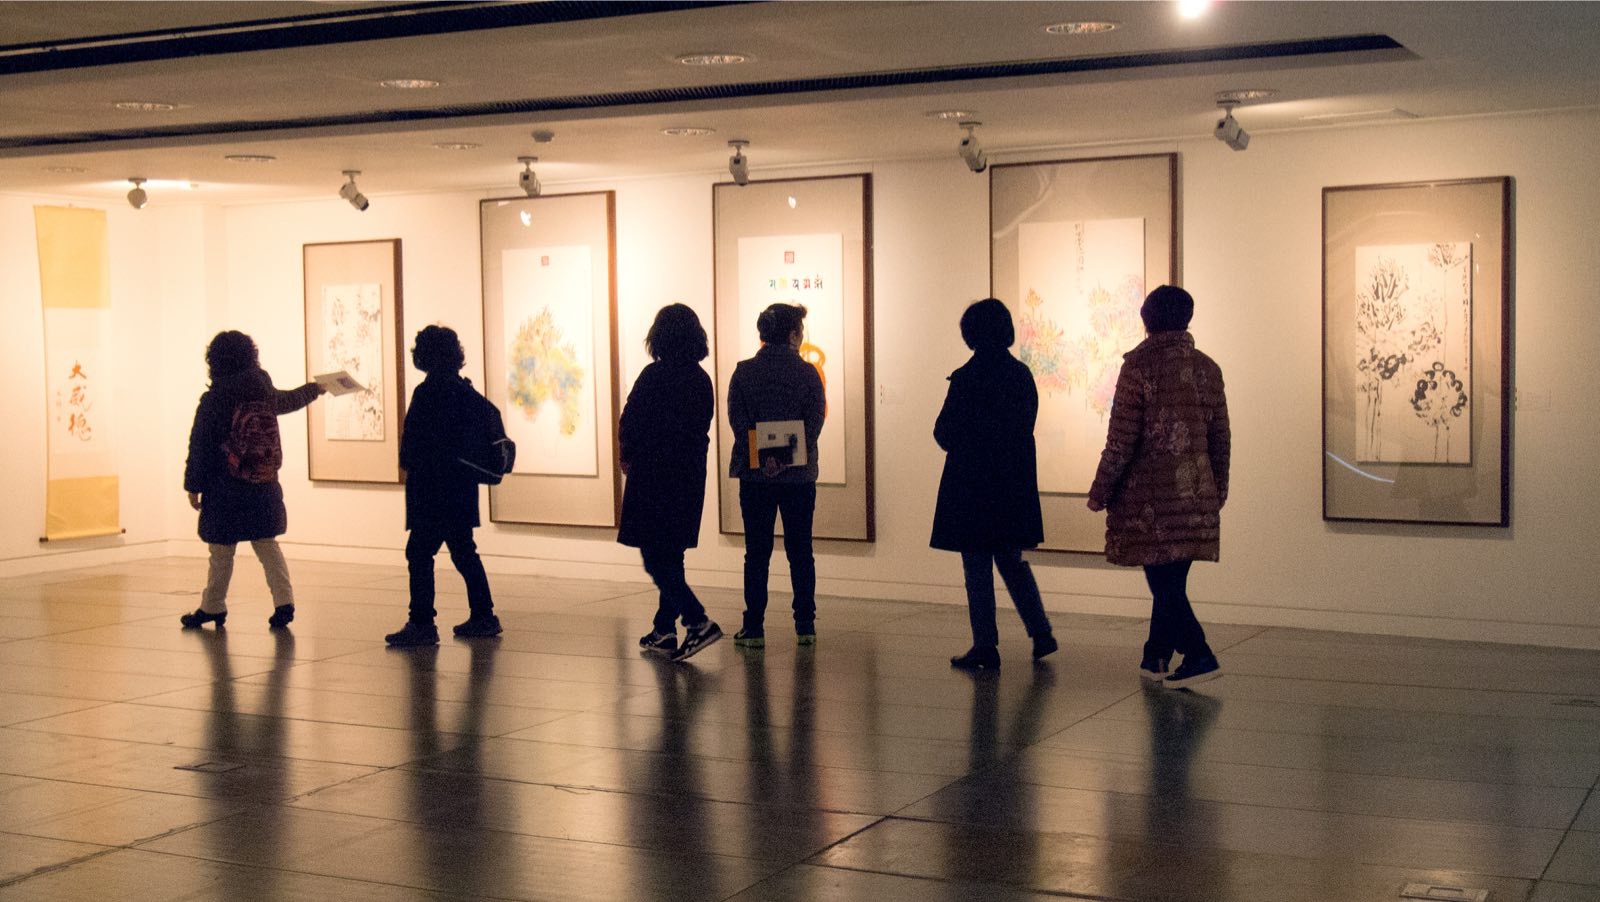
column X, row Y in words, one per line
column 1193, row 9
column 688, row 131
column 250, row 158
column 455, row 145
column 526, row 217
column 712, row 59
column 409, row 84
column 950, row 115
column 1081, row 28
column 792, row 202
column 144, row 106
column 1245, row 95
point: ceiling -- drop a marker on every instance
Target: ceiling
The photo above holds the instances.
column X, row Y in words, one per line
column 826, row 83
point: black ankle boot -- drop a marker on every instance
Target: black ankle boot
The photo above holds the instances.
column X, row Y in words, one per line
column 200, row 618
column 977, row 659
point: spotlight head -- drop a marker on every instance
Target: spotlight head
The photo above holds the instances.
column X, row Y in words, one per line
column 351, row 193
column 1229, row 131
column 137, row 198
column 739, row 164
column 970, row 150
column 526, row 178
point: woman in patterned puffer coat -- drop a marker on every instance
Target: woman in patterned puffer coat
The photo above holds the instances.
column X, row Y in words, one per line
column 1163, row 479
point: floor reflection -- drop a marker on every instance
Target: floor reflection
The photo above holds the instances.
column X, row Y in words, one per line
column 1178, row 722
column 248, row 755
column 467, row 848
column 665, row 812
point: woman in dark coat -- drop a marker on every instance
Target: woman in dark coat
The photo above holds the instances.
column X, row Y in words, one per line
column 988, row 507
column 664, row 433
column 1163, row 479
column 233, row 510
column 441, row 492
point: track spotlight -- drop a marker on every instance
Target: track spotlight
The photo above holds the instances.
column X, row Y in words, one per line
column 739, row 164
column 1229, row 131
column 529, row 181
column 137, row 198
column 351, row 193
column 970, row 150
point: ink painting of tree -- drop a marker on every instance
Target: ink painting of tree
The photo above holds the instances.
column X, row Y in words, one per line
column 1413, row 354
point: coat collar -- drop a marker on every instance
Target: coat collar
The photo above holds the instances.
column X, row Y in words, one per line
column 1157, row 340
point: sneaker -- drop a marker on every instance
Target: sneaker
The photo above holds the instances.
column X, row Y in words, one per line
column 477, row 627
column 977, row 659
column 696, row 638
column 805, row 634
column 413, row 635
column 281, row 616
column 659, row 643
column 1193, row 670
column 746, row 639
column 1153, row 669
column 200, row 618
column 1044, row 645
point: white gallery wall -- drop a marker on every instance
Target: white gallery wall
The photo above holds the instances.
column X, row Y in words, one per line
column 1251, row 255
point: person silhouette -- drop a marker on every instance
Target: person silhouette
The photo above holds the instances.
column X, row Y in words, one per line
column 988, row 503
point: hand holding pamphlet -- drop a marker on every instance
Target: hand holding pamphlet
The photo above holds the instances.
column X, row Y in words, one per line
column 340, row 383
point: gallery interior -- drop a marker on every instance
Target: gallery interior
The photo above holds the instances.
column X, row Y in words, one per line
column 1405, row 606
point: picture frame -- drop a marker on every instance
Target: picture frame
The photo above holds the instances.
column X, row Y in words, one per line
column 550, row 355
column 1074, row 246
column 1416, row 352
column 354, row 308
column 816, row 235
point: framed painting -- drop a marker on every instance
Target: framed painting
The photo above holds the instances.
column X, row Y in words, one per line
column 354, row 323
column 1416, row 314
column 550, row 354
column 803, row 241
column 1074, row 247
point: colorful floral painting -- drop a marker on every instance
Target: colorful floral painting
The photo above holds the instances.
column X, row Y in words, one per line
column 550, row 357
column 1081, row 287
column 543, row 368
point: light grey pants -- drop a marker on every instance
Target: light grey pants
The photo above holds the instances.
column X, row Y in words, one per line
column 214, row 600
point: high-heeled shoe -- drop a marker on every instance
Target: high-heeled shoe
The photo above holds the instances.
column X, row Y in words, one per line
column 200, row 618
column 281, row 616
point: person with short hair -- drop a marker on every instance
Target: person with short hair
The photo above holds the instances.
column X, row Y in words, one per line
column 1163, row 479
column 773, row 386
column 663, row 435
column 441, row 490
column 988, row 503
column 234, row 508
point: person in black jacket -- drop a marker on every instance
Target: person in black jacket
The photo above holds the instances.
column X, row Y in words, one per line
column 988, row 506
column 441, row 491
column 233, row 510
column 664, row 432
column 776, row 385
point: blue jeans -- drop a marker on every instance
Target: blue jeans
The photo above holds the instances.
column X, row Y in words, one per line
column 760, row 503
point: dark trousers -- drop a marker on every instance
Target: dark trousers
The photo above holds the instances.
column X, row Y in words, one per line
column 761, row 503
column 665, row 566
column 978, row 568
column 420, row 549
column 1173, row 626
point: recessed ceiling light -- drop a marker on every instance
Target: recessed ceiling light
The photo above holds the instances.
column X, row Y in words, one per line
column 713, row 59
column 409, row 84
column 65, row 170
column 1076, row 28
column 144, row 106
column 1245, row 95
column 250, row 158
column 688, row 131
column 950, row 115
column 455, row 145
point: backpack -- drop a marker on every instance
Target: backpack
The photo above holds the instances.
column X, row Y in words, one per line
column 486, row 452
column 253, row 448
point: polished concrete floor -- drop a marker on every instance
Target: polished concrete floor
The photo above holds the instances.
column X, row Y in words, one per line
column 139, row 761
